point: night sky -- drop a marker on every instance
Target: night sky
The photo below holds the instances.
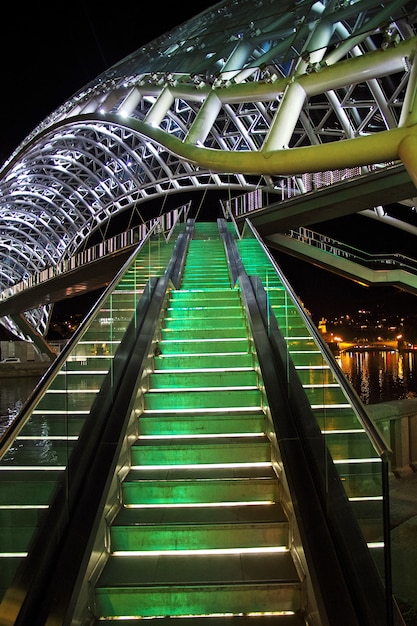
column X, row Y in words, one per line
column 48, row 54
column 50, row 51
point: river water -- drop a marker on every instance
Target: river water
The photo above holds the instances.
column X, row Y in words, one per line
column 13, row 393
column 379, row 376
column 376, row 376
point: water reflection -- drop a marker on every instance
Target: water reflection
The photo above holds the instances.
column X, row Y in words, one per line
column 13, row 393
column 376, row 376
column 380, row 376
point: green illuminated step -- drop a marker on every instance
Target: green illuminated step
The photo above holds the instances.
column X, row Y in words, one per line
column 198, row 322
column 191, row 451
column 218, row 267
column 199, row 283
column 198, row 537
column 201, row 332
column 198, row 585
column 204, row 423
column 202, row 361
column 199, row 485
column 172, row 400
column 234, row 515
column 220, row 378
column 205, row 346
column 204, row 297
column 188, row 528
column 206, row 310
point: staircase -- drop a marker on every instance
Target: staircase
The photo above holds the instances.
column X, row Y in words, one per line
column 201, row 532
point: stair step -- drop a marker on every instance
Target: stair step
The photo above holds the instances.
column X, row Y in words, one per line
column 205, row 345
column 173, row 362
column 174, row 400
column 206, row 310
column 179, row 334
column 205, row 450
column 185, row 486
column 202, row 423
column 206, row 378
column 264, row 513
column 130, row 533
column 196, row 323
column 213, row 297
column 198, row 585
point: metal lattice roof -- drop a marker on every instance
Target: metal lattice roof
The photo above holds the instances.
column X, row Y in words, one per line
column 240, row 97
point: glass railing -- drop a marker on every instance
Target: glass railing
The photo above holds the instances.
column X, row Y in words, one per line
column 356, row 449
column 388, row 261
column 35, row 450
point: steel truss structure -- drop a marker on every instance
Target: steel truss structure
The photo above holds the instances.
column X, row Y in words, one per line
column 238, row 98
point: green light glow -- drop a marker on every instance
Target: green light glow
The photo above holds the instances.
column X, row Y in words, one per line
column 197, row 552
column 200, row 505
column 204, row 615
column 35, row 468
column 357, row 461
column 201, row 466
column 197, row 436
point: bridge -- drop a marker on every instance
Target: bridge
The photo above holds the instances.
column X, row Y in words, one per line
column 387, row 346
column 194, row 452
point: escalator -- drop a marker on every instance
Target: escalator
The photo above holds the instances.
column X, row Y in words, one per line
column 201, row 512
column 199, row 517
